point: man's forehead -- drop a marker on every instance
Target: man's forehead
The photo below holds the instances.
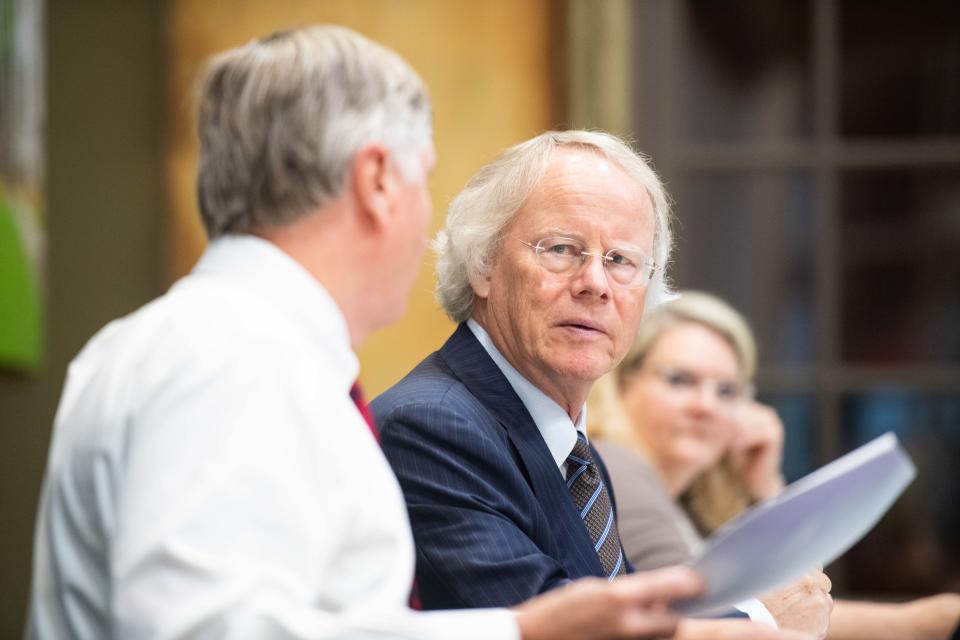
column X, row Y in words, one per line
column 583, row 184
column 576, row 166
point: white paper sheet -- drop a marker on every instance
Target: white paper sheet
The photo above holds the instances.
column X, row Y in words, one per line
column 812, row 522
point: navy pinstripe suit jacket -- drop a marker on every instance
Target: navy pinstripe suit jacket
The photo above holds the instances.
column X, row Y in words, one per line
column 492, row 518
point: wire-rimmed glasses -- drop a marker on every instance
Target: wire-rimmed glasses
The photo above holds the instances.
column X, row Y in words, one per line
column 627, row 267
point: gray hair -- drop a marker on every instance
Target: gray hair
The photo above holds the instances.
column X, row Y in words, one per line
column 479, row 214
column 281, row 118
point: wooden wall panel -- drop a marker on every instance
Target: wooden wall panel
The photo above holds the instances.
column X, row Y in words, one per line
column 488, row 64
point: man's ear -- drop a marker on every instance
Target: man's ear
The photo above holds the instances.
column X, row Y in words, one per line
column 480, row 283
column 374, row 184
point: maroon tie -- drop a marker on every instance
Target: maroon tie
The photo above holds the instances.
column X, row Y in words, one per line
column 356, row 394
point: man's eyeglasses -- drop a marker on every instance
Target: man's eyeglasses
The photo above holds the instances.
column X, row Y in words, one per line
column 626, row 267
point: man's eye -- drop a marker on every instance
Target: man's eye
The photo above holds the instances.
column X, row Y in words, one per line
column 620, row 260
column 563, row 249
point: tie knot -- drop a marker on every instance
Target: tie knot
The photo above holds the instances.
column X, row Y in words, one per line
column 581, row 451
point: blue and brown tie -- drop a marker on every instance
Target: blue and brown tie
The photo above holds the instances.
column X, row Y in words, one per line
column 592, row 500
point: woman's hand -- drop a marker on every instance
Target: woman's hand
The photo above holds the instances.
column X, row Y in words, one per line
column 756, row 450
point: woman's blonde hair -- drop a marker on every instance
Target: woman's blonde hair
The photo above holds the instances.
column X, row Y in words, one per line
column 716, row 495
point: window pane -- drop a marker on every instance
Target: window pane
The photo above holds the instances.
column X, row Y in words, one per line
column 746, row 73
column 797, row 412
column 917, row 539
column 748, row 237
column 900, row 67
column 900, row 242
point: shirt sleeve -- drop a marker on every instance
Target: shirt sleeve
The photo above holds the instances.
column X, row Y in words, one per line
column 757, row 612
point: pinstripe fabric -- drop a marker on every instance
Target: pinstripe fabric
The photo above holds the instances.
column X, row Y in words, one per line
column 491, row 513
column 590, row 495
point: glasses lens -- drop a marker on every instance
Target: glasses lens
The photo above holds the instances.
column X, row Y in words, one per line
column 559, row 255
column 625, row 267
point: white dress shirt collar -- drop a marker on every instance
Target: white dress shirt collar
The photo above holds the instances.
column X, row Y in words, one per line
column 260, row 266
column 556, row 427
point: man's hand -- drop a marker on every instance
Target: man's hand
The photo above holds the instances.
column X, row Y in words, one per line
column 756, row 449
column 805, row 605
column 634, row 606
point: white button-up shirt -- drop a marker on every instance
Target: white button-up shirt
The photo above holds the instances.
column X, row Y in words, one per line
column 209, row 475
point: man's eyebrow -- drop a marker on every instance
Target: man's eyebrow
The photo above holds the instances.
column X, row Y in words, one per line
column 554, row 232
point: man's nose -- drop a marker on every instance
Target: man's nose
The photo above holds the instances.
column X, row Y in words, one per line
column 591, row 278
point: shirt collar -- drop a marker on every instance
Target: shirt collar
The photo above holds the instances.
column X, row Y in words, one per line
column 556, row 427
column 263, row 269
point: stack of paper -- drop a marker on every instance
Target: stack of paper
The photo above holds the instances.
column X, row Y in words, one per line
column 808, row 525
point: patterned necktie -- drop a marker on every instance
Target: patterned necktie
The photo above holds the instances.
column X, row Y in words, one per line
column 593, row 502
column 356, row 394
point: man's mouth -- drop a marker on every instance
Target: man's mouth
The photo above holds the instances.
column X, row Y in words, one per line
column 582, row 325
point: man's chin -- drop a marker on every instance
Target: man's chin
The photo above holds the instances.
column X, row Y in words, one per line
column 587, row 370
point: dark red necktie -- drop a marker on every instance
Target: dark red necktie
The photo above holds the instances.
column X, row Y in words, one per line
column 356, row 394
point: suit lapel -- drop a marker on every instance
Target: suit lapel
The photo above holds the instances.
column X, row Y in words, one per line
column 470, row 362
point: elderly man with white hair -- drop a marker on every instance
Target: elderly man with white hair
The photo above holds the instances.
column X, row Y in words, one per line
column 547, row 260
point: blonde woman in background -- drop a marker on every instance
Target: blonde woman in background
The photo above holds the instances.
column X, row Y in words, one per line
column 684, row 441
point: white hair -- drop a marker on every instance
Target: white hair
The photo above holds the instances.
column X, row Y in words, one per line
column 281, row 118
column 479, row 214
